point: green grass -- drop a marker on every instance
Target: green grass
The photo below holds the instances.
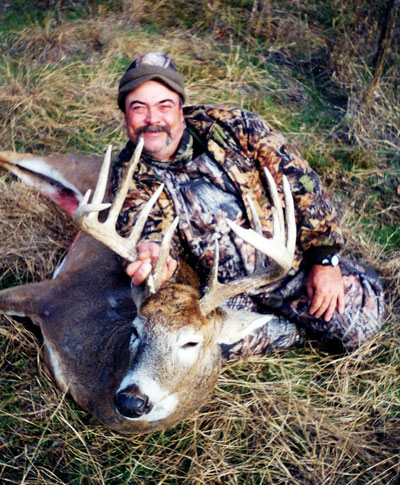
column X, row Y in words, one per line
column 298, row 417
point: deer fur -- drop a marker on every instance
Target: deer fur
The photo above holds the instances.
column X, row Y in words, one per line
column 137, row 361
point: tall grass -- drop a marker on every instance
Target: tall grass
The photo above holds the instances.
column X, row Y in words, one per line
column 295, row 417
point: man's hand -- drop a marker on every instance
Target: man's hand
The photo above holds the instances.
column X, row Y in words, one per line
column 325, row 291
column 147, row 256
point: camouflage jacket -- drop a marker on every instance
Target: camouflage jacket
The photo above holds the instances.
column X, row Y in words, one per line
column 231, row 148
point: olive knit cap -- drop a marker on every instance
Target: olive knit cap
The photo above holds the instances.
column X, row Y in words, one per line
column 153, row 65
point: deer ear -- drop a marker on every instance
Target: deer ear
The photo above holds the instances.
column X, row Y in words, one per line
column 62, row 178
column 26, row 300
column 239, row 324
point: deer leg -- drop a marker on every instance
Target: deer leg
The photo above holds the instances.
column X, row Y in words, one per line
column 256, row 334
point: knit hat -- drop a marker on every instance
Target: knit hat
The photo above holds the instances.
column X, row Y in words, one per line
column 153, row 65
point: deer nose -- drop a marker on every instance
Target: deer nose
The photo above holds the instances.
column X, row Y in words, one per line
column 131, row 403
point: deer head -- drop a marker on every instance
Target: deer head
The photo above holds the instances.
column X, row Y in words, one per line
column 175, row 341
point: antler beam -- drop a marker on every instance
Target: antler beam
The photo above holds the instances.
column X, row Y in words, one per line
column 280, row 248
column 86, row 216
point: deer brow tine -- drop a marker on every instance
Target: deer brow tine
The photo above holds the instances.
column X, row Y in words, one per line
column 163, row 254
column 213, row 278
column 212, row 296
column 88, row 210
column 256, row 220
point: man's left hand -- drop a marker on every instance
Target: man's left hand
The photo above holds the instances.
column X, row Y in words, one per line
column 325, row 291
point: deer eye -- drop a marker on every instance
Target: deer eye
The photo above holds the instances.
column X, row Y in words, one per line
column 134, row 340
column 189, row 345
column 135, row 333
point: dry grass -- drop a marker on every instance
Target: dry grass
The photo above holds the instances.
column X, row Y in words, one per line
column 30, row 249
column 295, row 417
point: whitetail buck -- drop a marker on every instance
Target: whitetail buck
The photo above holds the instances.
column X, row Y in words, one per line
column 144, row 361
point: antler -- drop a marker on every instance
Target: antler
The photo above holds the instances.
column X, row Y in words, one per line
column 86, row 216
column 279, row 248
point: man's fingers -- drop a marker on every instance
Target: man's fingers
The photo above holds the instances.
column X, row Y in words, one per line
column 169, row 269
column 322, row 307
column 310, row 293
column 336, row 303
column 330, row 310
column 327, row 306
column 133, row 267
column 142, row 272
column 143, row 255
column 316, row 302
column 148, row 250
column 341, row 304
column 325, row 291
column 154, row 250
column 148, row 253
column 172, row 265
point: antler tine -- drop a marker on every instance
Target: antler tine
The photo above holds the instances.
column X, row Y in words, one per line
column 101, row 185
column 259, row 259
column 290, row 219
column 280, row 248
column 214, row 287
column 86, row 217
column 90, row 210
column 276, row 203
column 213, row 282
column 118, row 201
column 154, row 281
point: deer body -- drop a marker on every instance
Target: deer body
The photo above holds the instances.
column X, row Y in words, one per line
column 138, row 360
column 87, row 316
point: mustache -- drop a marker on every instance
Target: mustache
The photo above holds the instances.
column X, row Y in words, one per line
column 152, row 129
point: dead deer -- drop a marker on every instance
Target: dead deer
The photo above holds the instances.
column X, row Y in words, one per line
column 141, row 359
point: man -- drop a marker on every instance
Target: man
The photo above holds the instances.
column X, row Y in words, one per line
column 210, row 158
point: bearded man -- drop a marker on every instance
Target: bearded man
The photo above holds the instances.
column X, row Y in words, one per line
column 211, row 158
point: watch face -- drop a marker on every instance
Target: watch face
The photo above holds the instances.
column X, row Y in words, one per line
column 334, row 260
column 331, row 260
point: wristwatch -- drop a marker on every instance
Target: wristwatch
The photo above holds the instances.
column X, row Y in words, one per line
column 332, row 260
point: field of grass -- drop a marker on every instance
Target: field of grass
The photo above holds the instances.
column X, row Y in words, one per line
column 326, row 73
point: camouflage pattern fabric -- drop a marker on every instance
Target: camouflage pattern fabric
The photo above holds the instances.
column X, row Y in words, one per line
column 241, row 144
column 206, row 185
column 360, row 321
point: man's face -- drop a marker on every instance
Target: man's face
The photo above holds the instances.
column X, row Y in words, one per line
column 154, row 112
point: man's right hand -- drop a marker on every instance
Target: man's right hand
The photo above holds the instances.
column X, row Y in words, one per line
column 140, row 269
